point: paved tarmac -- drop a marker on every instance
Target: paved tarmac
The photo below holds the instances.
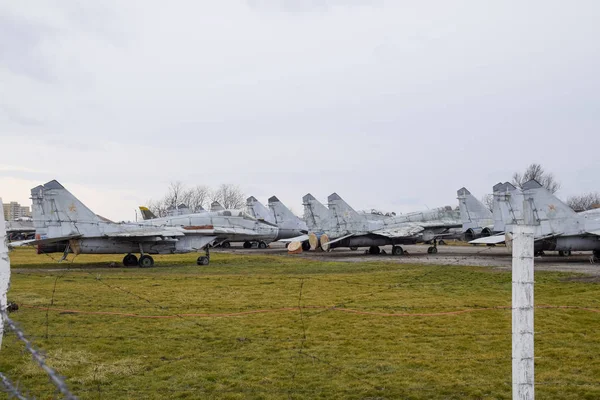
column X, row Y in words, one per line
column 494, row 257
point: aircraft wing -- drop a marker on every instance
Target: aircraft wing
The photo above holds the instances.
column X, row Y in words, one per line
column 35, row 242
column 496, row 239
column 339, row 239
column 145, row 233
column 406, row 230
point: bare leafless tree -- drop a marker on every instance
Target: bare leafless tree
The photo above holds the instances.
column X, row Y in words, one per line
column 584, row 202
column 158, row 207
column 536, row 171
column 488, row 201
column 175, row 194
column 196, row 198
column 230, row 196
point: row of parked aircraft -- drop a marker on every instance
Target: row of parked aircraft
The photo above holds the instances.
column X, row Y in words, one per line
column 65, row 224
column 557, row 226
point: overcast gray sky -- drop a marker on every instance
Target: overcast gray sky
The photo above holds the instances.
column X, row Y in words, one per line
column 392, row 104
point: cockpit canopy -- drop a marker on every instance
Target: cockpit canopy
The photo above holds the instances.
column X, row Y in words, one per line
column 236, row 213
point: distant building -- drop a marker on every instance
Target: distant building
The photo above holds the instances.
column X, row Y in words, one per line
column 14, row 211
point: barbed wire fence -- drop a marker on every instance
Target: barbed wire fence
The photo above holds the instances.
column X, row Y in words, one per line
column 306, row 313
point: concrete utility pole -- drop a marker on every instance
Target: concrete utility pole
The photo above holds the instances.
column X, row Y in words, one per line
column 4, row 273
column 522, row 308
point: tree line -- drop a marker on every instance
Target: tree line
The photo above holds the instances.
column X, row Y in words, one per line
column 197, row 198
column 231, row 196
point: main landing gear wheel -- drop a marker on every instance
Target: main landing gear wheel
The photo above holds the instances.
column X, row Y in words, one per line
column 247, row 245
column 202, row 260
column 397, row 250
column 225, row 245
column 262, row 245
column 432, row 250
column 597, row 253
column 305, row 246
column 130, row 260
column 564, row 253
column 353, row 248
column 374, row 250
column 539, row 253
column 146, row 261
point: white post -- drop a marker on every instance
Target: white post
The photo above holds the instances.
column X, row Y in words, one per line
column 4, row 272
column 522, row 313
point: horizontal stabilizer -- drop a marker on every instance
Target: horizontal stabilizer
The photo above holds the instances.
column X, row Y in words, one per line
column 35, row 242
column 301, row 238
column 339, row 239
column 497, row 239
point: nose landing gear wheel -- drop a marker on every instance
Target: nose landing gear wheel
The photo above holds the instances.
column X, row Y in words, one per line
column 130, row 260
column 202, row 260
column 397, row 251
column 432, row 250
column 146, row 261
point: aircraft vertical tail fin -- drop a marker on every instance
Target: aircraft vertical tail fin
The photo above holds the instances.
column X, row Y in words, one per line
column 316, row 215
column 284, row 218
column 548, row 211
column 63, row 213
column 343, row 213
column 258, row 210
column 216, row 206
column 473, row 213
column 477, row 220
column 37, row 209
column 146, row 213
column 506, row 209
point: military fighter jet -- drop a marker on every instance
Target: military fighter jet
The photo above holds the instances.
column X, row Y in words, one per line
column 344, row 227
column 291, row 228
column 477, row 219
column 557, row 226
column 19, row 230
column 59, row 217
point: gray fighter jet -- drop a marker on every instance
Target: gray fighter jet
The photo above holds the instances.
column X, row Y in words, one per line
column 344, row 227
column 291, row 228
column 60, row 218
column 477, row 219
column 557, row 226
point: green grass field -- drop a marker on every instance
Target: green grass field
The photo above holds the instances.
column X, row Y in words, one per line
column 269, row 327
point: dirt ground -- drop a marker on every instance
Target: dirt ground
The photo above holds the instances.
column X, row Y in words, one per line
column 494, row 257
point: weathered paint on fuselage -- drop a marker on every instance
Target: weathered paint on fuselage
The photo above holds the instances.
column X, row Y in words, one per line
column 232, row 225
